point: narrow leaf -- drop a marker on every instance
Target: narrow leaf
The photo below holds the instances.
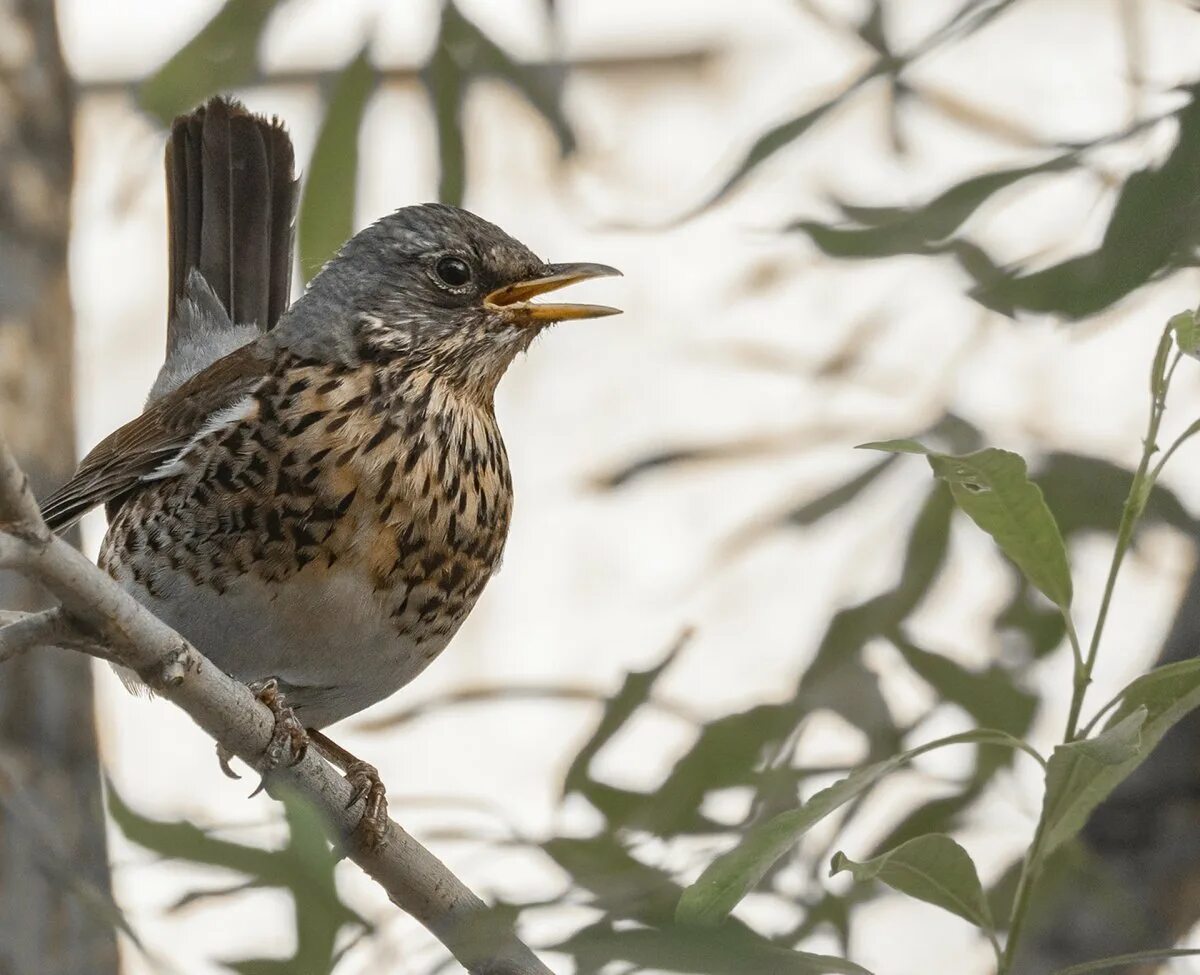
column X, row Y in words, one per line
column 902, row 446
column 1123, row 961
column 732, row 875
column 326, row 218
column 932, row 868
column 690, row 951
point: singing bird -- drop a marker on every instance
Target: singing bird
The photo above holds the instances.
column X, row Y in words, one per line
column 316, row 495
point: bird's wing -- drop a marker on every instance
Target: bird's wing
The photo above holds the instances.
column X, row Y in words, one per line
column 143, row 447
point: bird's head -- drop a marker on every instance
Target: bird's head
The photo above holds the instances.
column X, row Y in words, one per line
column 439, row 287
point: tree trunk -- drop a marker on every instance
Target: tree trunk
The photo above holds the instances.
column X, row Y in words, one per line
column 53, row 866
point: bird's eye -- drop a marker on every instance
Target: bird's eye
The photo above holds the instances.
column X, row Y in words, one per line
column 453, row 271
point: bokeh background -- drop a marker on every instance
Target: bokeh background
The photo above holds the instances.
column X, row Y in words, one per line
column 810, row 263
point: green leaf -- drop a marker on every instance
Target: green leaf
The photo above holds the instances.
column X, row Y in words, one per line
column 992, row 487
column 326, row 219
column 223, row 55
column 1080, row 775
column 694, row 951
column 1187, row 332
column 902, row 446
column 1124, row 961
column 731, row 876
column 932, row 868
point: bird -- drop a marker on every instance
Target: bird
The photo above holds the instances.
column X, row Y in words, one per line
column 317, row 493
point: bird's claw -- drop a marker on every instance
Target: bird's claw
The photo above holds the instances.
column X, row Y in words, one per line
column 223, row 757
column 289, row 740
column 365, row 785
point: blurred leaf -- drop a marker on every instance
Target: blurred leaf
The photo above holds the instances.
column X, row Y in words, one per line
column 932, row 868
column 693, row 951
column 779, row 137
column 634, row 693
column 890, row 231
column 223, row 55
column 184, row 841
column 724, row 754
column 936, row 815
column 731, row 876
column 1087, row 494
column 1042, row 625
column 836, row 678
column 1124, row 961
column 326, row 219
column 621, row 885
column 304, row 867
column 991, row 697
column 968, row 18
column 991, row 486
column 1152, row 230
column 838, row 497
column 462, row 53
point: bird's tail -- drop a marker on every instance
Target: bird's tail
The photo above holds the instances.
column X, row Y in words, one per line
column 231, row 200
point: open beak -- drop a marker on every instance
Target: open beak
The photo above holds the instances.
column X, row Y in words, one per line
column 515, row 301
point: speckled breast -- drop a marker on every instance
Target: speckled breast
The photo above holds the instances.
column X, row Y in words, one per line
column 333, row 533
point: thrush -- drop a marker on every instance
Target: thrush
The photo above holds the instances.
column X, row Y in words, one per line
column 316, row 495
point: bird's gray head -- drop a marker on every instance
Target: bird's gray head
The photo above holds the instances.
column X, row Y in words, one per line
column 436, row 286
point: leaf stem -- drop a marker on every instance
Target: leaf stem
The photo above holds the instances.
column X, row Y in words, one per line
column 1144, row 477
column 1131, row 512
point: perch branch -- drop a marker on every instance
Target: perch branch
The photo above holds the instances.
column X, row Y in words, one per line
column 95, row 612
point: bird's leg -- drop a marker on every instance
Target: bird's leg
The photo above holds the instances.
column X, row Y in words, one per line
column 365, row 784
column 289, row 740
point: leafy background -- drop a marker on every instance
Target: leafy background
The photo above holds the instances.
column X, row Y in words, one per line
column 930, row 217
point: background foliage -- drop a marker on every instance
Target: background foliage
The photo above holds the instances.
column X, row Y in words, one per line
column 643, row 911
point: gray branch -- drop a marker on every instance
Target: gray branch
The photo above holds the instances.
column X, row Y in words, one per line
column 96, row 611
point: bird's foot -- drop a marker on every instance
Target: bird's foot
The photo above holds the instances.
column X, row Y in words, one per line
column 365, row 786
column 289, row 740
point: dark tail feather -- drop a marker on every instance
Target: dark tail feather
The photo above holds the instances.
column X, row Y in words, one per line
column 231, row 199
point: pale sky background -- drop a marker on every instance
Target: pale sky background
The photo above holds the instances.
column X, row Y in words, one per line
column 595, row 585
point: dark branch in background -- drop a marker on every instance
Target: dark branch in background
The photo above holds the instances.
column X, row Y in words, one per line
column 98, row 611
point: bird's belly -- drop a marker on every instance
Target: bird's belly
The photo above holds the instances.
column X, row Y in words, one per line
column 325, row 635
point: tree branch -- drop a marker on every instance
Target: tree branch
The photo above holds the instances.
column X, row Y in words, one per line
column 95, row 610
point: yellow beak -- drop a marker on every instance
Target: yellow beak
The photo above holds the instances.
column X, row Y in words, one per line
column 514, row 299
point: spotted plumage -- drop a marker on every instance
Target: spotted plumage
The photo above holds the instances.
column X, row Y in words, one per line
column 317, row 497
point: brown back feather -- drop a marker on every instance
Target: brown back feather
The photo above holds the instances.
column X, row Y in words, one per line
column 117, row 464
